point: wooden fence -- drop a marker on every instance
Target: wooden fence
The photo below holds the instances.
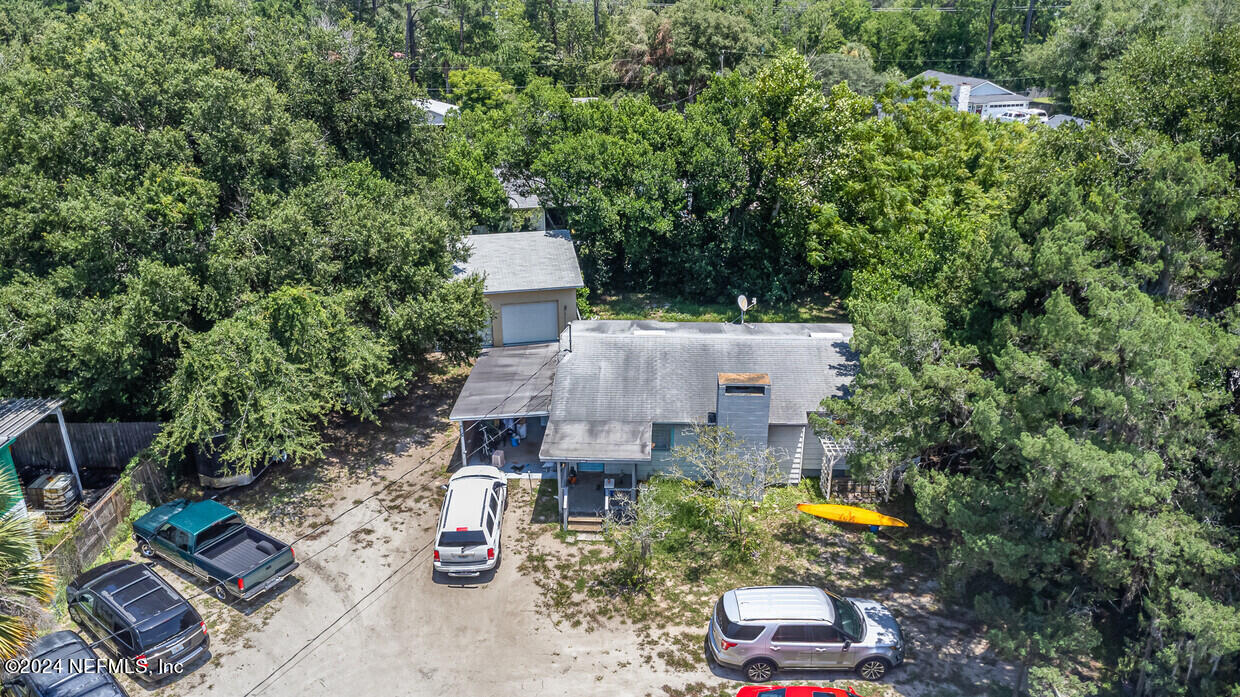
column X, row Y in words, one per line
column 96, row 446
column 854, row 490
column 96, row 527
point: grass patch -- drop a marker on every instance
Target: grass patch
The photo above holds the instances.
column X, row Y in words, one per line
column 546, row 509
column 811, row 308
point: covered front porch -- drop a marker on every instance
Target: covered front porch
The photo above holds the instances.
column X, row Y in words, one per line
column 590, row 488
column 595, row 462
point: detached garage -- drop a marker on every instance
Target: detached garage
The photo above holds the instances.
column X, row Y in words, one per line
column 530, row 279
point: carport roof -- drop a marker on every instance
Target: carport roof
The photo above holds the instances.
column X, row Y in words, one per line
column 508, row 381
column 17, row 415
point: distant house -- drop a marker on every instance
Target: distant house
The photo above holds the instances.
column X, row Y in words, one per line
column 530, row 281
column 524, row 207
column 608, row 404
column 978, row 95
column 991, row 101
column 436, row 111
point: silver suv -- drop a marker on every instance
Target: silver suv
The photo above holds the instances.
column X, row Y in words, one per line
column 470, row 522
column 766, row 629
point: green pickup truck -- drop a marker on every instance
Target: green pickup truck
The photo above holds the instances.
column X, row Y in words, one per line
column 211, row 541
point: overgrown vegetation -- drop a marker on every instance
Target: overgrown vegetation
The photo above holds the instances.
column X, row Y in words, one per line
column 694, row 559
column 631, row 529
column 218, row 215
column 727, row 478
column 228, row 215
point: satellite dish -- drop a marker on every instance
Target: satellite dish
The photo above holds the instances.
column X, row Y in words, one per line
column 743, row 302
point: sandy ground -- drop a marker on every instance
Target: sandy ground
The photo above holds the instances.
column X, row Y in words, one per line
column 364, row 615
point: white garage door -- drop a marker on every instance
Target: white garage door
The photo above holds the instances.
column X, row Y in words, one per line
column 525, row 323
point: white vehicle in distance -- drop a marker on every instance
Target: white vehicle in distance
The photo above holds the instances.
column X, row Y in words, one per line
column 1022, row 115
column 468, row 536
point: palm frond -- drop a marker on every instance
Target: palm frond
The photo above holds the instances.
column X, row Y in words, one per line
column 23, row 578
column 15, row 634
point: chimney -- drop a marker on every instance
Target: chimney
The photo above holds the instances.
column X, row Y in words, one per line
column 962, row 97
column 743, row 404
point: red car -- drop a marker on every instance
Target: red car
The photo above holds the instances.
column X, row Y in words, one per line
column 795, row 691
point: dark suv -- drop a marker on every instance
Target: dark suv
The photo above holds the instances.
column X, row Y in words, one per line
column 52, row 657
column 138, row 617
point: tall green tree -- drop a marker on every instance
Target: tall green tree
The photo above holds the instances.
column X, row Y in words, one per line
column 173, row 173
column 1071, row 419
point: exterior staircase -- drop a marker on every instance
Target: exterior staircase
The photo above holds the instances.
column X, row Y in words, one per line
column 585, row 523
column 798, row 457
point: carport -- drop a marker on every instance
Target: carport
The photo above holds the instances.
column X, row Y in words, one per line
column 16, row 417
column 508, row 390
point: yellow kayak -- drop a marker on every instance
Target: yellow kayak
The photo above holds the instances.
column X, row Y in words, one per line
column 850, row 514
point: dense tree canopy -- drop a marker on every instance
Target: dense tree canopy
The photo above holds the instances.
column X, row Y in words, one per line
column 202, row 206
column 1071, row 415
column 230, row 216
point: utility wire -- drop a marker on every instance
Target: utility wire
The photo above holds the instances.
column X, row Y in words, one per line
column 406, row 563
column 980, row 10
column 341, row 616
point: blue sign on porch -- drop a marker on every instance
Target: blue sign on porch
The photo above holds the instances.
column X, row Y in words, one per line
column 589, row 467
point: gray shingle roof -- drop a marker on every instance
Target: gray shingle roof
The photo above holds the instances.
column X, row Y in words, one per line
column 623, row 441
column 517, row 199
column 644, row 371
column 435, row 106
column 950, row 79
column 977, row 95
column 517, row 261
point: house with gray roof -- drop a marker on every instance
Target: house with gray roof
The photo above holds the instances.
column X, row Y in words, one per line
column 977, row 95
column 530, row 280
column 605, row 407
column 524, row 206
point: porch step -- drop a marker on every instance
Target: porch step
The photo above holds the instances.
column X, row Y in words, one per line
column 582, row 523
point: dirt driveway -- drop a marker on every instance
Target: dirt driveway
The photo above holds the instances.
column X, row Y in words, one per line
column 364, row 616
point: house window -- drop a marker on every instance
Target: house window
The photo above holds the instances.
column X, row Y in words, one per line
column 661, row 437
column 744, row 389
